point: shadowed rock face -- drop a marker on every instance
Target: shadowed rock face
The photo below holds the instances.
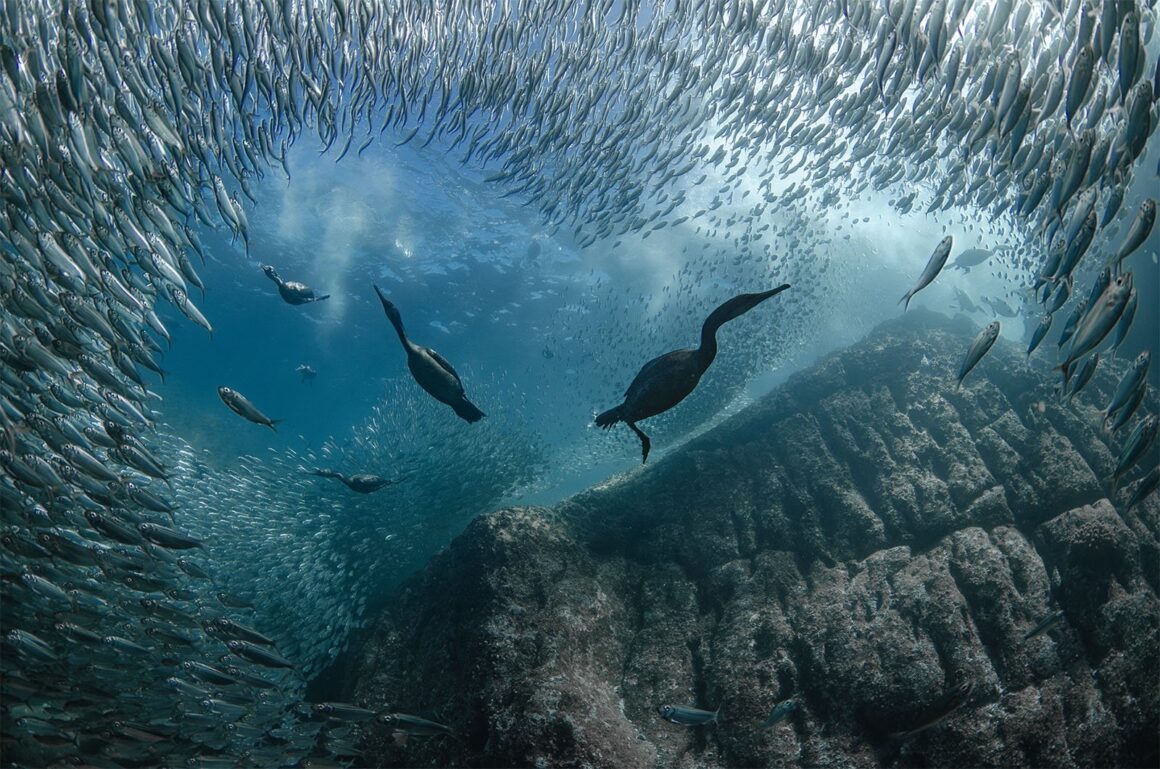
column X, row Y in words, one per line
column 863, row 540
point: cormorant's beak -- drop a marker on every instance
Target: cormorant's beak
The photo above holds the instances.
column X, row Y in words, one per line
column 772, row 292
column 746, row 302
column 739, row 305
column 387, row 304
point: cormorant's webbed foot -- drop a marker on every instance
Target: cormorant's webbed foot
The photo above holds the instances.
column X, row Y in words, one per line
column 644, row 441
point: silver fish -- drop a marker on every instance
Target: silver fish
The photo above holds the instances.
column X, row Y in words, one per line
column 1125, row 323
column 979, row 347
column 686, row 716
column 780, row 711
column 1040, row 332
column 1133, row 379
column 1146, row 486
column 1124, row 414
column 1138, row 232
column 1043, row 625
column 1100, row 318
column 413, row 725
column 1086, row 370
column 1079, row 82
column 933, row 266
column 1139, row 442
column 241, row 406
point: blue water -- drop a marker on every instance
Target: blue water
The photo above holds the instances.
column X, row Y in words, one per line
column 546, row 324
column 555, row 329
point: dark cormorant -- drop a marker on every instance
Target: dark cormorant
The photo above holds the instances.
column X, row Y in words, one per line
column 666, row 381
column 433, row 373
column 363, row 483
column 290, row 291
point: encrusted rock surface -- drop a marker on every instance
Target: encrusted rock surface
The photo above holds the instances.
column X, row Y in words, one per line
column 863, row 540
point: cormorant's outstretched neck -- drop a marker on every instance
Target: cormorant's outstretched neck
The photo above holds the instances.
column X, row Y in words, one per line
column 395, row 318
column 666, row 381
column 430, row 369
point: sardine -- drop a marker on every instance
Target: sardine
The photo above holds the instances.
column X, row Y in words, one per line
column 241, row 406
column 1100, row 318
column 686, row 716
column 1136, row 446
column 979, row 347
column 779, row 712
column 933, row 266
column 1138, row 232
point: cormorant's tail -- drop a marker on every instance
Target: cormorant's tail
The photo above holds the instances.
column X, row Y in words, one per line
column 467, row 410
column 320, row 298
column 609, row 418
column 394, row 317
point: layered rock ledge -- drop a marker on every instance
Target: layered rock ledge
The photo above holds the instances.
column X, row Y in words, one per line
column 863, row 540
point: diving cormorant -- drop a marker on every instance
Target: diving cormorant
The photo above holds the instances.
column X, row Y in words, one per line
column 433, row 373
column 363, row 483
column 291, row 291
column 666, row 381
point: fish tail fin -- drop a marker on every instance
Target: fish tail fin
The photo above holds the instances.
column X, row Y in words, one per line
column 468, row 411
column 906, row 298
column 271, row 424
column 609, row 418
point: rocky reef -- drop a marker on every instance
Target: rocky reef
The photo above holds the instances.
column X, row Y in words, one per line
column 863, row 540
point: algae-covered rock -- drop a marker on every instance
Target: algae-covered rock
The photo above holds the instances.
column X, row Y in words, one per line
column 866, row 541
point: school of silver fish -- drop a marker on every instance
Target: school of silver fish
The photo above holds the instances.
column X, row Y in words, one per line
column 127, row 126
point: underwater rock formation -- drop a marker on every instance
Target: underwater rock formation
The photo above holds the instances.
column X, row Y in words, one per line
column 863, row 540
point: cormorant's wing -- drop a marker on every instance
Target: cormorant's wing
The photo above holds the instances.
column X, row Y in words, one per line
column 655, row 367
column 443, row 364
